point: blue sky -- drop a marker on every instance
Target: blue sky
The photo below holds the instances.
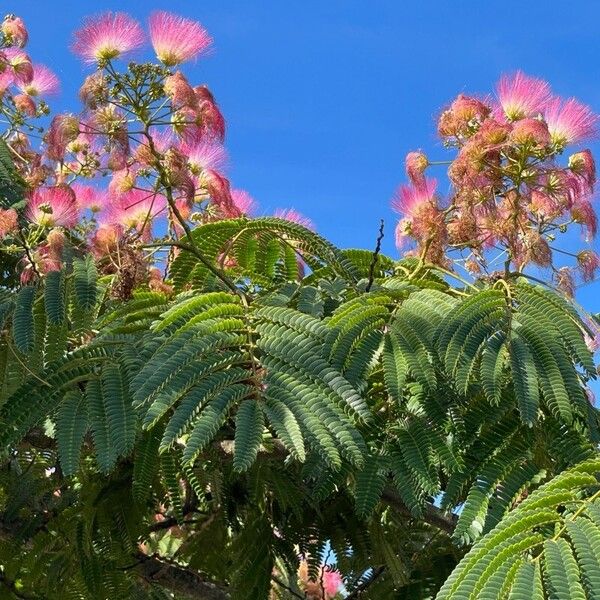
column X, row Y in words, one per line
column 324, row 98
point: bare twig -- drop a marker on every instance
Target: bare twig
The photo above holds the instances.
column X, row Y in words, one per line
column 375, row 258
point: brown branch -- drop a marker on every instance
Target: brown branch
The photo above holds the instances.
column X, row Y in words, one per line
column 432, row 515
column 376, row 252
column 184, row 582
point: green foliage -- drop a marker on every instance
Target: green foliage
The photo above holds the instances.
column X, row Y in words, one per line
column 256, row 412
column 548, row 547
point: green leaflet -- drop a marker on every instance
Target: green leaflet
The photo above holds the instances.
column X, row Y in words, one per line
column 71, row 427
column 23, row 331
column 85, row 279
column 559, row 561
column 249, row 425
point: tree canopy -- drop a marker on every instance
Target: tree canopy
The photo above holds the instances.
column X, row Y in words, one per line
column 199, row 403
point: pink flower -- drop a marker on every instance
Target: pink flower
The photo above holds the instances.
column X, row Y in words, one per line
column 564, row 281
column 136, row 209
column 63, row 130
column 570, row 122
column 106, row 239
column 522, row 96
column 94, row 90
column 178, row 89
column 88, row 197
column 409, row 199
column 290, row 214
column 530, row 132
column 592, row 339
column 544, row 205
column 202, row 155
column 462, row 117
column 19, row 64
column 332, row 582
column 53, row 207
column 122, row 181
column 175, row 39
column 416, row 163
column 417, row 204
column 107, row 36
column 26, row 104
column 243, row 201
column 219, row 190
column 583, row 164
column 14, row 29
column 588, row 262
column 44, row 82
column 583, row 213
column 9, row 221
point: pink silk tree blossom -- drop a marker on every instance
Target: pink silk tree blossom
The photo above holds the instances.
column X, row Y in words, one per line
column 522, row 96
column 176, row 39
column 107, row 36
column 52, row 207
column 43, row 83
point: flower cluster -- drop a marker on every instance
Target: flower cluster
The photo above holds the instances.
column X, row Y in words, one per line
column 325, row 586
column 510, row 193
column 139, row 164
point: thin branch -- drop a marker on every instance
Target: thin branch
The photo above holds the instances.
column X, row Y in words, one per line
column 375, row 257
column 365, row 584
column 431, row 514
column 184, row 582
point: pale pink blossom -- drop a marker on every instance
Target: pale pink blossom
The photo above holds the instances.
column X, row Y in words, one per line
column 14, row 29
column 291, row 214
column 588, row 262
column 416, row 163
column 570, row 121
column 19, row 64
column 106, row 238
column 243, row 201
column 332, row 581
column 44, row 82
column 89, row 198
column 53, row 207
column 122, row 181
column 218, row 188
column 25, row 104
column 592, row 338
column 136, row 209
column 176, row 39
column 107, row 36
column 178, row 89
column 531, row 132
column 63, row 130
column 204, row 154
column 583, row 164
column 583, row 213
column 9, row 221
column 94, row 90
column 522, row 96
column 410, row 198
column 212, row 121
column 6, row 76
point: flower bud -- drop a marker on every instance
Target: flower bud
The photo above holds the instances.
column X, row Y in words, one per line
column 9, row 222
column 94, row 91
column 582, row 163
column 416, row 163
column 178, row 89
column 25, row 104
